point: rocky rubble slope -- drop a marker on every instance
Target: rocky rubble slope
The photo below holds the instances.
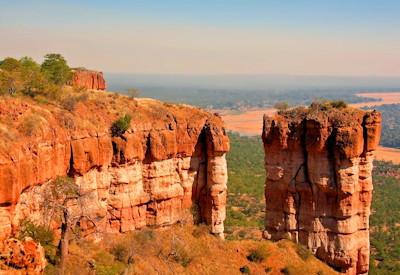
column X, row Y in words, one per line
column 167, row 167
column 319, row 184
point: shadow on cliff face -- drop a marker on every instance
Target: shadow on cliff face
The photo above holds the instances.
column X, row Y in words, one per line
column 198, row 162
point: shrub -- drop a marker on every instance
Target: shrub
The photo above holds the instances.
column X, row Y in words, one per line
column 67, row 120
column 41, row 234
column 133, row 92
column 242, row 234
column 245, row 269
column 121, row 252
column 120, row 126
column 105, row 264
column 180, row 254
column 30, row 125
column 281, row 106
column 303, row 252
column 38, row 233
column 286, row 271
column 257, row 255
column 200, row 231
column 69, row 102
column 325, row 105
column 338, row 104
column 320, row 105
column 268, row 269
column 144, row 236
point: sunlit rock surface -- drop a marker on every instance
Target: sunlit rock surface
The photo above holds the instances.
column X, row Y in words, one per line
column 319, row 182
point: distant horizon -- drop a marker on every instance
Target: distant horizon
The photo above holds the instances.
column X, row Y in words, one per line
column 120, row 81
column 304, row 37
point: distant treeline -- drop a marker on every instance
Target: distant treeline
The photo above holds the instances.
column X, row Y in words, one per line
column 242, row 99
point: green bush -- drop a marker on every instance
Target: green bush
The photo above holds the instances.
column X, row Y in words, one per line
column 38, row 233
column 325, row 105
column 245, row 269
column 105, row 264
column 180, row 254
column 338, row 104
column 120, row 126
column 286, row 271
column 257, row 255
column 121, row 252
column 41, row 234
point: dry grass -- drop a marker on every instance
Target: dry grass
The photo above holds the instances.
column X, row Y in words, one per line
column 30, row 125
column 89, row 111
column 186, row 250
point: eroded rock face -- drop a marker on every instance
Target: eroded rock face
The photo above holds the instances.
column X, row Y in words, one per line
column 21, row 257
column 168, row 167
column 319, row 182
column 88, row 79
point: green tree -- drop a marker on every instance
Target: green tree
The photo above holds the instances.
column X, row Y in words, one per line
column 121, row 125
column 10, row 64
column 56, row 69
column 57, row 196
column 28, row 64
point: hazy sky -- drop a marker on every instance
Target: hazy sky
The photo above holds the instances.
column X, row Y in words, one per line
column 310, row 37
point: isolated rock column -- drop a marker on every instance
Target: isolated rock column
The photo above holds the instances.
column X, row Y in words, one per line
column 319, row 182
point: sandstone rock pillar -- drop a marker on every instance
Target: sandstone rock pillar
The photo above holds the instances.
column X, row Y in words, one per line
column 319, row 182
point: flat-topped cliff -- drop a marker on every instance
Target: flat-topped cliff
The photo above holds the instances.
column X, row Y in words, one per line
column 88, row 79
column 319, row 181
column 168, row 166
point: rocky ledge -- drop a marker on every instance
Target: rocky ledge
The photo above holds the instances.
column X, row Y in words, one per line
column 168, row 167
column 319, row 182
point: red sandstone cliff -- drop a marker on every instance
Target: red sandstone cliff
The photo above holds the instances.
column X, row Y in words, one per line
column 319, row 182
column 168, row 166
column 88, row 79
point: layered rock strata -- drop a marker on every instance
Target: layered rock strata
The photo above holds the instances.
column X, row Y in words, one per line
column 169, row 166
column 88, row 79
column 319, row 182
column 21, row 257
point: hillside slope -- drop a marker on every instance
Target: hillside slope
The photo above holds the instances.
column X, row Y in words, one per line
column 186, row 249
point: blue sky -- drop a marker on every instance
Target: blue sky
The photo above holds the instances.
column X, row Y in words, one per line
column 272, row 37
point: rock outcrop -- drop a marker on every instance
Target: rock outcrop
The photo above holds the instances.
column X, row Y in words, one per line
column 88, row 79
column 319, row 182
column 169, row 166
column 25, row 255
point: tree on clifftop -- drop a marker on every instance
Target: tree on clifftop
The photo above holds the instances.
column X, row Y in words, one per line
column 56, row 69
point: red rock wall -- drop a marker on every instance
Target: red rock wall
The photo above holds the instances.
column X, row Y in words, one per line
column 152, row 175
column 88, row 79
column 319, row 182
